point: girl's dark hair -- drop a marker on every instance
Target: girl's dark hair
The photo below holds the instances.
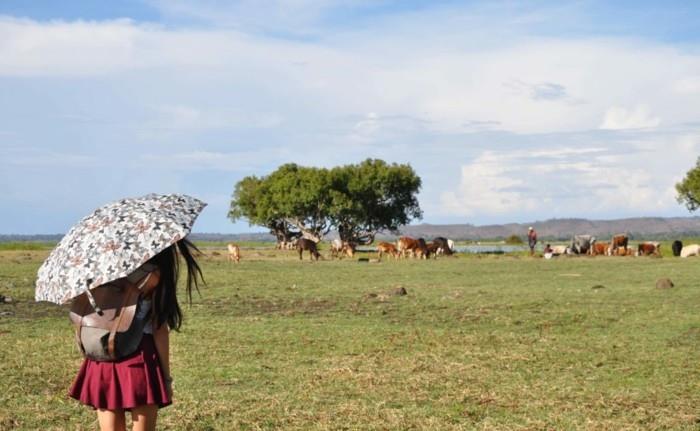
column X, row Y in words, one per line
column 165, row 306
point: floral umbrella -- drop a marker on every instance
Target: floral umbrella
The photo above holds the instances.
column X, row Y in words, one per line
column 112, row 242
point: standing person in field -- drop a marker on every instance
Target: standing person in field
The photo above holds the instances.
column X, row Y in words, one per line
column 141, row 383
column 531, row 240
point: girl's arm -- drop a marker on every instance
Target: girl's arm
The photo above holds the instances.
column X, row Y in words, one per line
column 161, row 337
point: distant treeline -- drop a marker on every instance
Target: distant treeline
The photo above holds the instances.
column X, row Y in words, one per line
column 647, row 228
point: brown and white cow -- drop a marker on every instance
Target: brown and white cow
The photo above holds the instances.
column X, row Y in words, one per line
column 649, row 249
column 340, row 248
column 310, row 246
column 618, row 241
column 441, row 246
column 234, row 253
column 387, row 248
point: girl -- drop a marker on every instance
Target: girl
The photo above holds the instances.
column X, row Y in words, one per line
column 141, row 382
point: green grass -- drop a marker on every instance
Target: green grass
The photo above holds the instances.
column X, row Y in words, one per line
column 479, row 342
column 27, row 245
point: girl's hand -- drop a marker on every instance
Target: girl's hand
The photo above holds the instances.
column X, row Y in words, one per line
column 169, row 387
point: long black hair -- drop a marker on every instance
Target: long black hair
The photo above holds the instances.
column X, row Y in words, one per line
column 165, row 305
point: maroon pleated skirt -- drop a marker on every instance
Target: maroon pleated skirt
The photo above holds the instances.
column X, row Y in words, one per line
column 134, row 381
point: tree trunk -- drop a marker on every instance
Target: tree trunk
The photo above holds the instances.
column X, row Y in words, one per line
column 314, row 234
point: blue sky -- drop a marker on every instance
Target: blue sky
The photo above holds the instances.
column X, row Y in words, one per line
column 509, row 111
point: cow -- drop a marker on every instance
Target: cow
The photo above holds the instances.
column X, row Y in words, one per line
column 622, row 252
column 451, row 245
column 421, row 250
column 415, row 247
column 581, row 244
column 405, row 245
column 310, row 246
column 338, row 248
column 234, row 253
column 676, row 247
column 649, row 249
column 600, row 248
column 442, row 246
column 387, row 248
column 560, row 249
column 434, row 249
column 617, row 241
column 287, row 245
column 690, row 250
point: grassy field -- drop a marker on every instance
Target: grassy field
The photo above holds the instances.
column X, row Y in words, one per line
column 479, row 342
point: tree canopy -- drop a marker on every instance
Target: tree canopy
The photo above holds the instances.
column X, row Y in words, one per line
column 689, row 189
column 356, row 200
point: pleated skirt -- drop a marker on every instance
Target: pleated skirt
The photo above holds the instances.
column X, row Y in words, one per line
column 133, row 381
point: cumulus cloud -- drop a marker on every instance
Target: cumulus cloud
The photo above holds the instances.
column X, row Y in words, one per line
column 547, row 182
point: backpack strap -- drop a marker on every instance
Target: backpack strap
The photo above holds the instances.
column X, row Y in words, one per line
column 124, row 312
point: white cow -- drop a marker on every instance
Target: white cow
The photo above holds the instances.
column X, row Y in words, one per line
column 690, row 250
column 560, row 249
column 234, row 253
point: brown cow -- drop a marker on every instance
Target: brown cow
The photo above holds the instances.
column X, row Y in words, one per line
column 387, row 248
column 434, row 249
column 649, row 249
column 599, row 248
column 421, row 251
column 416, row 247
column 234, row 253
column 307, row 244
column 618, row 241
column 405, row 245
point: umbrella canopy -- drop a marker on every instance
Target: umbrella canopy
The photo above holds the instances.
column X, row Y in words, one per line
column 112, row 242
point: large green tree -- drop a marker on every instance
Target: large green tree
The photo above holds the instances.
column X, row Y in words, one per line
column 689, row 189
column 252, row 201
column 357, row 200
column 290, row 202
column 300, row 196
column 372, row 196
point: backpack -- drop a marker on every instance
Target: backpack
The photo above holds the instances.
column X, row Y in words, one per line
column 105, row 319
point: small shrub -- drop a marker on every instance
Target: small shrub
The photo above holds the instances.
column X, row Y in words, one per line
column 514, row 239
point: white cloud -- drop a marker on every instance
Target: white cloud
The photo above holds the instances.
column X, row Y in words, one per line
column 518, row 119
column 547, row 183
column 617, row 118
column 689, row 85
column 528, row 86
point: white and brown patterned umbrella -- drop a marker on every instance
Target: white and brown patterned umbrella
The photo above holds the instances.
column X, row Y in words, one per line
column 112, row 242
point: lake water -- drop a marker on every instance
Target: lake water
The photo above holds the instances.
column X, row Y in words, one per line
column 490, row 248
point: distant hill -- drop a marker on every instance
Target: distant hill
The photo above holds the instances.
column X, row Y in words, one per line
column 559, row 229
column 637, row 228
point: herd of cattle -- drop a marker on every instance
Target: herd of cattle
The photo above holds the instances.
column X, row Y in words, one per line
column 618, row 246
column 406, row 247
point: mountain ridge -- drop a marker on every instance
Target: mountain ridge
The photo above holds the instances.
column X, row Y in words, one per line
column 556, row 229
